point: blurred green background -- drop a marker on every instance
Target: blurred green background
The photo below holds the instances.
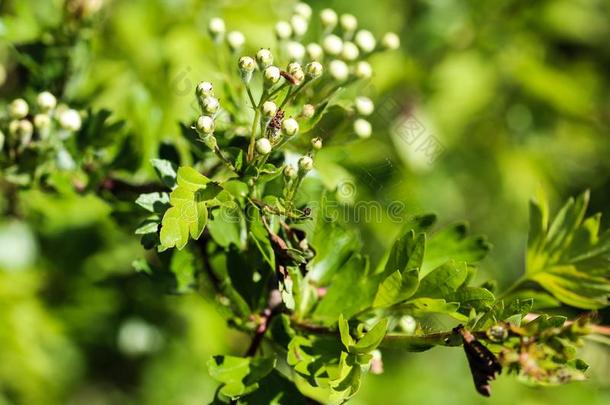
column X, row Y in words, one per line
column 517, row 94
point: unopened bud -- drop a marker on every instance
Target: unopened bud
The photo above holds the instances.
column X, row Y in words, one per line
column 263, row 146
column 70, row 120
column 314, row 69
column 290, row 126
column 205, row 125
column 308, row 111
column 348, row 22
column 363, row 70
column 365, row 41
column 42, row 122
column 46, row 101
column 269, row 109
column 316, row 143
column 216, row 28
column 283, row 30
column 338, row 70
column 390, row 41
column 210, row 105
column 264, row 57
column 362, row 128
column 314, row 51
column 328, row 18
column 332, row 44
column 236, row 40
column 210, row 141
column 364, row 105
column 303, row 9
column 18, row 109
column 204, row 89
column 350, row 51
column 299, row 25
column 295, row 50
column 246, row 67
column 305, row 164
column 272, row 74
column 290, row 172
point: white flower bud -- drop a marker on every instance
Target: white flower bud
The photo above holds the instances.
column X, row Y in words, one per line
column 290, row 126
column 283, row 30
column 216, row 28
column 236, row 40
column 290, row 172
column 314, row 51
column 348, row 22
column 64, row 160
column 269, row 109
column 364, row 105
column 246, row 67
column 70, row 120
column 247, row 64
column 210, row 105
column 204, row 89
column 328, row 18
column 316, row 143
column 390, row 41
column 308, row 111
column 272, row 74
column 263, row 146
column 22, row 129
column 18, row 109
column 305, row 164
column 350, row 51
column 363, row 70
column 264, row 57
column 362, row 128
column 205, row 125
column 314, row 69
column 42, row 122
column 46, row 101
column 295, row 50
column 338, row 70
column 303, row 10
column 299, row 25
column 365, row 41
column 332, row 44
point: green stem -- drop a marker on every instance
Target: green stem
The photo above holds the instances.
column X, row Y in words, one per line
column 257, row 114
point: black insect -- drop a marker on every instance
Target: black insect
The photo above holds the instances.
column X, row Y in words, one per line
column 276, row 122
column 484, row 366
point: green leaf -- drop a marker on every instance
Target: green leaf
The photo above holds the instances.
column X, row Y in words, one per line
column 452, row 243
column 388, row 291
column 569, row 258
column 371, row 339
column 419, row 307
column 346, row 338
column 443, row 281
column 166, row 171
column 191, row 179
column 351, row 290
column 239, row 375
column 472, row 297
column 154, row 202
column 333, row 245
column 188, row 214
column 224, row 226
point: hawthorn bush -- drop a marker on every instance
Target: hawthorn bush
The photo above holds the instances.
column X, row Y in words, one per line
column 243, row 214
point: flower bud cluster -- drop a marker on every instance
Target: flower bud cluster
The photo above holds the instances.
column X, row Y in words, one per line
column 24, row 123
